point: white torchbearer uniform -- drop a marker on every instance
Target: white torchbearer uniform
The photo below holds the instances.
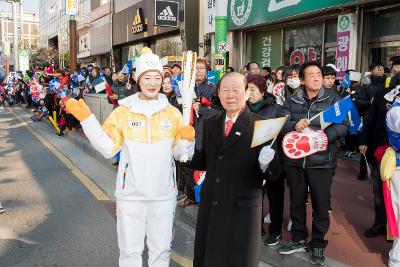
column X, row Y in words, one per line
column 145, row 133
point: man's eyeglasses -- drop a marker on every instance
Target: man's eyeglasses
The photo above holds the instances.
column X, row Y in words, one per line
column 315, row 75
column 201, row 68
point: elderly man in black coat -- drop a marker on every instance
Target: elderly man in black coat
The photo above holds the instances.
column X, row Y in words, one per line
column 228, row 224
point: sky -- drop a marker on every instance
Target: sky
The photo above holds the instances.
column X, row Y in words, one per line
column 31, row 6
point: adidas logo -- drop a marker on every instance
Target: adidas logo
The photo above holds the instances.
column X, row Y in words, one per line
column 137, row 20
column 166, row 14
column 138, row 25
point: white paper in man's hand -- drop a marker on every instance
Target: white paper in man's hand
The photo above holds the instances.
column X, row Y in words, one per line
column 266, row 130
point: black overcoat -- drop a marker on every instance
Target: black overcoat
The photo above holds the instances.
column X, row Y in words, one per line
column 228, row 228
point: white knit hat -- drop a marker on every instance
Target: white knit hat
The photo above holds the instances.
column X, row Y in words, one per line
column 147, row 62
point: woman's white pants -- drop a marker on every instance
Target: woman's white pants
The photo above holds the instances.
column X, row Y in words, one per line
column 139, row 219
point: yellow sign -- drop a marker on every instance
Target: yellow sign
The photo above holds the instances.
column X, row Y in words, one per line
column 219, row 62
column 174, row 58
column 71, row 7
column 138, row 25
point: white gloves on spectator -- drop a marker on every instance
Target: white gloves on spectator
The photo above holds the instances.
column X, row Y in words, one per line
column 184, row 150
column 266, row 156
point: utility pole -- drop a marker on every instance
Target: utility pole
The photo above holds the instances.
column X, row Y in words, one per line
column 72, row 44
column 182, row 28
column 15, row 42
column 21, row 2
column 221, row 35
column 112, row 62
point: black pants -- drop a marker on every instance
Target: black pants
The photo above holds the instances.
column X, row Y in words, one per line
column 363, row 168
column 319, row 181
column 380, row 211
column 187, row 174
column 276, row 196
column 351, row 142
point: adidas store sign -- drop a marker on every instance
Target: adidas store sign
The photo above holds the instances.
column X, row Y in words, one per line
column 166, row 13
column 139, row 23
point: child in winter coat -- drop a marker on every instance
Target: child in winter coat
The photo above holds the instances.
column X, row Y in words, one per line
column 40, row 112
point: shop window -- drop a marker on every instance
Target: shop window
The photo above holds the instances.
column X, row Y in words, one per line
column 170, row 46
column 383, row 54
column 331, row 31
column 129, row 52
column 330, row 42
column 384, row 23
column 303, row 44
column 134, row 50
column 330, row 55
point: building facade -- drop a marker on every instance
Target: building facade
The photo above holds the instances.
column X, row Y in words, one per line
column 30, row 29
column 348, row 33
column 94, row 33
column 167, row 27
column 54, row 23
column 28, row 38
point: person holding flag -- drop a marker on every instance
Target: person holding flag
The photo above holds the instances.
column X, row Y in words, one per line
column 149, row 133
column 310, row 150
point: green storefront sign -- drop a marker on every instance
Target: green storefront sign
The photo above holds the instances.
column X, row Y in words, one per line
column 266, row 48
column 244, row 13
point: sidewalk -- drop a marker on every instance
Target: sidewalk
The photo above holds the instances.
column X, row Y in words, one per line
column 352, row 204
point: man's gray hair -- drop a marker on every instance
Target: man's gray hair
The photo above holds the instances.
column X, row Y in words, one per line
column 237, row 74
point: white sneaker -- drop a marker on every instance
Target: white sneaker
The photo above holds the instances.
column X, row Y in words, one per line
column 267, row 218
column 289, row 225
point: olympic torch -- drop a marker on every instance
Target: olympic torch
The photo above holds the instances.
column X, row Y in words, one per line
column 187, row 88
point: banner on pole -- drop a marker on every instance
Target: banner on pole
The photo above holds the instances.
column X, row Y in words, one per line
column 71, row 7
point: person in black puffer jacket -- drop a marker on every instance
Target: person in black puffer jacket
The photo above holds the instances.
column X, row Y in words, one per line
column 371, row 83
column 374, row 135
column 265, row 106
column 314, row 171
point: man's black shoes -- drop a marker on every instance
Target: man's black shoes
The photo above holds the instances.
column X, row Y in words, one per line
column 376, row 230
column 293, row 247
column 273, row 239
column 317, row 256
